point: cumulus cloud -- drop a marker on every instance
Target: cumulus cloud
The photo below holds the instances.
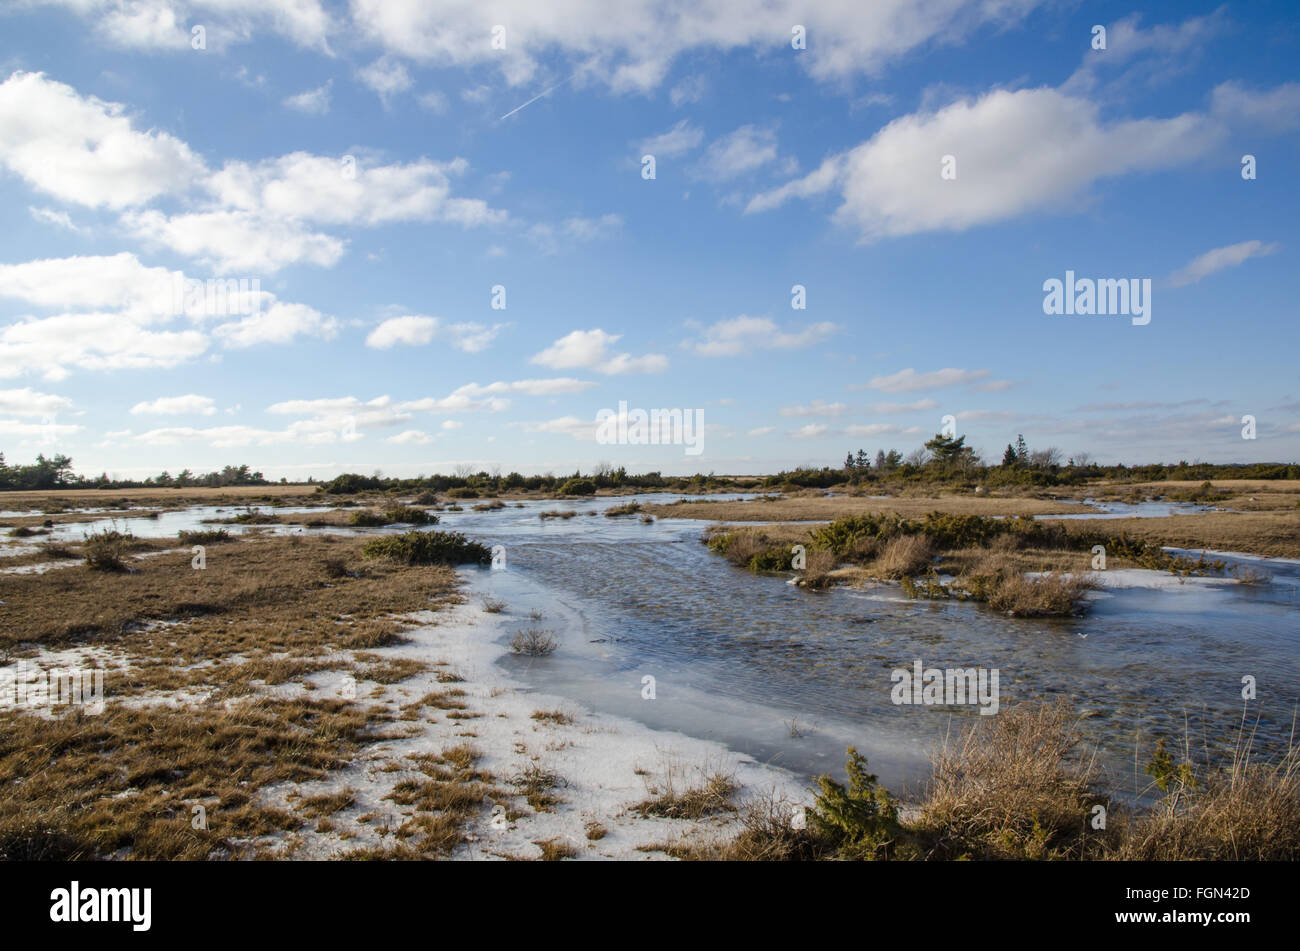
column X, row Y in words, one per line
column 1015, row 152
column 108, row 308
column 591, row 350
column 29, row 402
column 247, row 216
column 410, row 437
column 84, row 150
column 744, row 334
column 635, row 49
column 387, row 77
column 234, row 241
column 190, row 404
column 159, row 25
column 416, row 330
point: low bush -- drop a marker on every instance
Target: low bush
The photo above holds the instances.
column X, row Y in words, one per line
column 428, row 548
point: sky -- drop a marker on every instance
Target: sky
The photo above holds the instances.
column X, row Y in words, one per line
column 431, row 235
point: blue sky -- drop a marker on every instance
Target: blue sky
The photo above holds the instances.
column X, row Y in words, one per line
column 353, row 159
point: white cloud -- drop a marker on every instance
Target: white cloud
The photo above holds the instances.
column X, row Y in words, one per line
column 433, row 101
column 907, row 381
column 166, row 24
column 738, row 153
column 176, row 406
column 60, row 219
column 387, row 77
column 84, row 150
column 1016, row 152
column 761, row 431
column 314, row 102
column 95, row 341
column 689, row 90
column 590, row 349
column 326, row 190
column 416, row 330
column 879, row 429
column 106, row 308
column 811, row 431
column 743, row 334
column 1217, row 260
column 411, row 331
column 635, row 48
column 410, row 437
column 678, row 140
column 816, row 408
column 575, row 229
column 235, row 241
column 916, row 406
column 578, row 428
column 280, row 323
column 219, row 437
column 28, row 402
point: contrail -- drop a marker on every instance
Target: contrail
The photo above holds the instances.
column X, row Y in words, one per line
column 535, row 98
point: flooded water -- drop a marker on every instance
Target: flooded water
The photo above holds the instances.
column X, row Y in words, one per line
column 1138, row 509
column 792, row 677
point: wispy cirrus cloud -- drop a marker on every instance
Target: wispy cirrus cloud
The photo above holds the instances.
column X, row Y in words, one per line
column 1220, row 259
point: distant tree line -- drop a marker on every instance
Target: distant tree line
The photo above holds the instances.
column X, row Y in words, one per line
column 56, row 473
column 947, row 458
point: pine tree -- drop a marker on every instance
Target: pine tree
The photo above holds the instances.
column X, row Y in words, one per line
column 864, row 461
column 848, row 461
column 1009, row 457
column 946, row 449
column 1022, row 451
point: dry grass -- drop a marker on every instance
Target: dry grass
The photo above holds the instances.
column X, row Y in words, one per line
column 998, row 580
column 1248, row 811
column 447, row 794
column 257, row 597
column 327, row 804
column 264, row 611
column 123, row 784
column 903, row 557
column 818, row 566
column 671, row 798
column 1273, row 534
column 556, row 850
column 1016, row 787
column 536, row 784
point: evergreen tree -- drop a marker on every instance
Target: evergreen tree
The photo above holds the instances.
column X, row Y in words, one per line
column 1009, row 457
column 1022, row 451
column 864, row 461
column 946, row 449
column 848, row 461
